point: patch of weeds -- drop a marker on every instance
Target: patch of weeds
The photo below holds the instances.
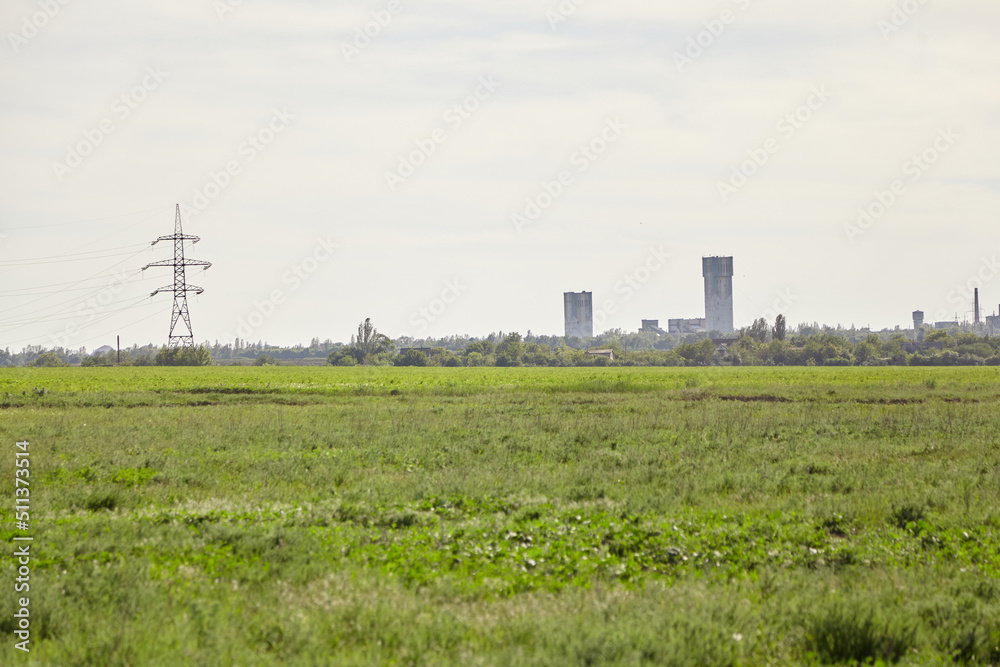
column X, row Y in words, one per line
column 836, row 525
column 350, row 513
column 134, row 476
column 905, row 515
column 401, row 519
column 853, row 633
column 528, row 514
column 101, row 501
column 586, row 492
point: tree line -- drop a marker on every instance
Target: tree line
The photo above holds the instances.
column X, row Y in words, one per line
column 760, row 344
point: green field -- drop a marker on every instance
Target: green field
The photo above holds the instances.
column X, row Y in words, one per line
column 542, row 516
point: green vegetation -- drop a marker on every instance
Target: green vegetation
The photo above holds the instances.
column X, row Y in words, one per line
column 624, row 516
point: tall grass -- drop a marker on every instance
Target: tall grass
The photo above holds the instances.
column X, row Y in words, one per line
column 498, row 516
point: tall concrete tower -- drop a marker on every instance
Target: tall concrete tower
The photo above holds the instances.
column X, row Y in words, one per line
column 718, row 273
column 578, row 309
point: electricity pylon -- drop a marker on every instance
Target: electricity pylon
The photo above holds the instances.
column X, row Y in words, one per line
column 180, row 288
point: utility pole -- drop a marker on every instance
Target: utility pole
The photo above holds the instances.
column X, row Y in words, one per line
column 180, row 288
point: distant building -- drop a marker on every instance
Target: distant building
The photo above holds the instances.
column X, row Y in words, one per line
column 610, row 354
column 945, row 325
column 578, row 311
column 718, row 274
column 652, row 325
column 681, row 327
column 104, row 349
column 918, row 319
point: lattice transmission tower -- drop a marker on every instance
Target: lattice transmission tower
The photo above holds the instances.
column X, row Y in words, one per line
column 180, row 288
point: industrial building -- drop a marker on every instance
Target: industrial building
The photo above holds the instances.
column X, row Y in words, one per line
column 578, row 310
column 718, row 274
column 918, row 319
column 689, row 326
column 652, row 325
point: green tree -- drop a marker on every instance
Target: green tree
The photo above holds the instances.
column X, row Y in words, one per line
column 510, row 350
column 939, row 335
column 369, row 343
column 780, row 326
column 183, row 356
column 866, row 352
column 343, row 357
column 411, row 357
column 759, row 330
column 441, row 357
column 265, row 360
column 48, row 360
column 483, row 347
column 701, row 353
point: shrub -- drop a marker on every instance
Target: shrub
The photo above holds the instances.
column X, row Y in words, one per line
column 265, row 360
column 183, row 356
column 48, row 359
column 411, row 358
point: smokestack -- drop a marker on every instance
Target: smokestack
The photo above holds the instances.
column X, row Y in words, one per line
column 977, row 305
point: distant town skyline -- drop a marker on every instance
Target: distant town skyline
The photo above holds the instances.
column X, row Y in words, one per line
column 447, row 168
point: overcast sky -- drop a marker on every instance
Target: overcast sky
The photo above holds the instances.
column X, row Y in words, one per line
column 450, row 167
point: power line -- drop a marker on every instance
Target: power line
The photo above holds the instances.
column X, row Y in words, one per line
column 71, row 317
column 68, row 282
column 127, row 326
column 101, row 319
column 73, row 284
column 83, row 222
column 75, row 254
column 22, row 262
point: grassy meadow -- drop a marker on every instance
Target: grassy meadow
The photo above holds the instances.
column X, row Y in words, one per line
column 488, row 516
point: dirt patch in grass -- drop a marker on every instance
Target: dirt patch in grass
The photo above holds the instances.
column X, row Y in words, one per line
column 757, row 399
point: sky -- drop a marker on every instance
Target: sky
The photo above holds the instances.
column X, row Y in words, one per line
column 448, row 167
